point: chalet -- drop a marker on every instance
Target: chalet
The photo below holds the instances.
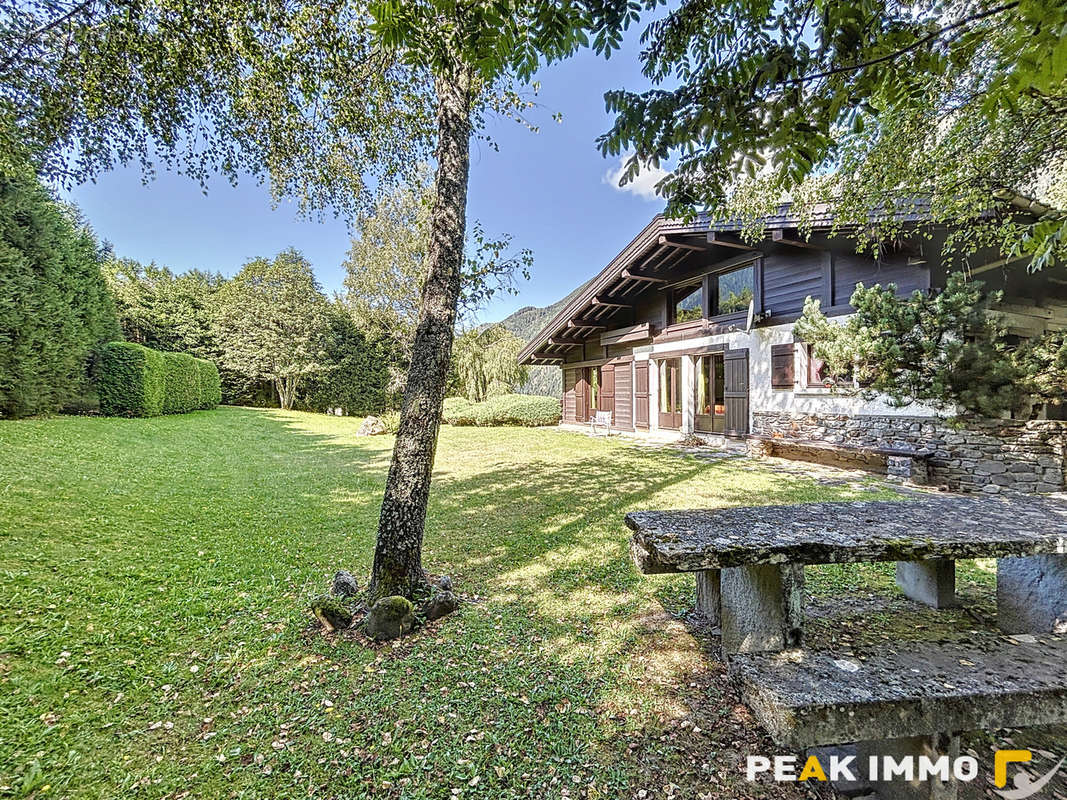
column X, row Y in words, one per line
column 689, row 330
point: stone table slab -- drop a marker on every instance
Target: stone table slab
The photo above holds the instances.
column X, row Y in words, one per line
column 864, row 531
column 811, row 698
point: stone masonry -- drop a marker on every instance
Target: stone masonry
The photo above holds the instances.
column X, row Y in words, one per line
column 990, row 456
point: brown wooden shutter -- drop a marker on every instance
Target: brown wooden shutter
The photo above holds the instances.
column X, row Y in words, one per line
column 624, row 404
column 782, row 366
column 735, row 391
column 606, row 401
column 641, row 394
column 581, row 396
column 570, row 379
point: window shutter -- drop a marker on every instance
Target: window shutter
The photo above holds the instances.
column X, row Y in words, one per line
column 782, row 366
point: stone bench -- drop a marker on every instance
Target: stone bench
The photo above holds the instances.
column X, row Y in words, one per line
column 750, row 561
column 909, row 699
column 899, row 463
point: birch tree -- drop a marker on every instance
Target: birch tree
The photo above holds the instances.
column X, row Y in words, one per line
column 331, row 103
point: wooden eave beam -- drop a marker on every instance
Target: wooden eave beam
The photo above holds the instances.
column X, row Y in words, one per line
column 779, row 235
column 557, row 341
column 723, row 240
column 587, row 323
column 555, row 357
column 635, row 275
column 674, row 241
column 611, row 302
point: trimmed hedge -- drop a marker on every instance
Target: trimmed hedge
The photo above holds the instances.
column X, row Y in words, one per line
column 183, row 384
column 136, row 381
column 131, row 380
column 457, row 411
column 210, row 383
column 526, row 410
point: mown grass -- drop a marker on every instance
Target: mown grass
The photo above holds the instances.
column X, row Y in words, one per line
column 154, row 640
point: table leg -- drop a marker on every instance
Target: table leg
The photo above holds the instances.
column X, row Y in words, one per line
column 1032, row 594
column 900, row 787
column 709, row 600
column 931, row 582
column 762, row 607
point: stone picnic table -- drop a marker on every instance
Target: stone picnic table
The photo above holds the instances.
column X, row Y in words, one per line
column 749, row 561
column 898, row 699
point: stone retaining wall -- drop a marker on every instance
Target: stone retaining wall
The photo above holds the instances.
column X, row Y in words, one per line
column 987, row 455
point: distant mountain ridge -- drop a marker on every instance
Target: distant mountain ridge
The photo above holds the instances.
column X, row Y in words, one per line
column 526, row 323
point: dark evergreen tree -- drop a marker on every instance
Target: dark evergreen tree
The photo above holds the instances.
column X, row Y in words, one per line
column 55, row 308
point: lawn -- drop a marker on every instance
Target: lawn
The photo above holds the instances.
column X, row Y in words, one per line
column 154, row 638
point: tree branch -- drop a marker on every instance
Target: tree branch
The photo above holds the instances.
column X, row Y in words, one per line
column 41, row 31
column 905, row 50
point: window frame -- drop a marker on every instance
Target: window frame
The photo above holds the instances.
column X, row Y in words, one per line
column 682, row 291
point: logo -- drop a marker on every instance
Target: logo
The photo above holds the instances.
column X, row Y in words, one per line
column 1025, row 786
column 909, row 768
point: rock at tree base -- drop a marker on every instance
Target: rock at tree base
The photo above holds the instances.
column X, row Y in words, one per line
column 331, row 613
column 372, row 426
column 344, row 584
column 440, row 605
column 445, row 583
column 390, row 617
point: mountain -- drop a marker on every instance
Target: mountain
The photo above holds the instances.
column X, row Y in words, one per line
column 527, row 323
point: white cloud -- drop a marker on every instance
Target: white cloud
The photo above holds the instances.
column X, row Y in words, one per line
column 643, row 186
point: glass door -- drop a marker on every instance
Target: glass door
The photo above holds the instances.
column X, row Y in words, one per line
column 710, row 399
column 670, row 393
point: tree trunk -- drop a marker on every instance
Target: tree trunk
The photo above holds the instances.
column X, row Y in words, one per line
column 398, row 552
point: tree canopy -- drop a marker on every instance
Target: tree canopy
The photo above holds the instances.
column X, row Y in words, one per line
column 272, row 323
column 872, row 105
column 486, row 362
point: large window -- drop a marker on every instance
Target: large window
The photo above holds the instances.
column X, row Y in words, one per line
column 735, row 290
column 688, row 303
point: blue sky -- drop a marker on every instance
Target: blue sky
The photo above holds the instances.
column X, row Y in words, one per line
column 551, row 190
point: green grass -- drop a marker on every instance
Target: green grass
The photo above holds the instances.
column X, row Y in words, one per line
column 154, row 638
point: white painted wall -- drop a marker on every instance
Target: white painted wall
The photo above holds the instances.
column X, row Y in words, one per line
column 762, row 397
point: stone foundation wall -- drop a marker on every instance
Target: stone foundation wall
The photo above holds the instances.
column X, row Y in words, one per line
column 987, row 455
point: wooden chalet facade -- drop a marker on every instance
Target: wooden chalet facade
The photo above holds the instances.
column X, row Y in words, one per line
column 689, row 328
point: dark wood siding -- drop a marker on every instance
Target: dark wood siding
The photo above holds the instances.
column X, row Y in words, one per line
column 570, row 378
column 735, row 385
column 789, row 277
column 641, row 394
column 624, row 416
column 782, row 366
column 850, row 269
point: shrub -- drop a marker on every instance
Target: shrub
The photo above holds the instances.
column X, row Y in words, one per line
column 518, row 409
column 507, row 409
column 210, row 383
column 391, row 421
column 458, row 411
column 55, row 308
column 182, row 392
column 131, row 380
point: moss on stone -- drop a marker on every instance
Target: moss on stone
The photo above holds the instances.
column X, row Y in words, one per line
column 331, row 612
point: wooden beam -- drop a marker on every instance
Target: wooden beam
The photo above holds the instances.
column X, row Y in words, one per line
column 674, row 241
column 547, row 357
column 778, row 235
column 611, row 302
column 634, row 275
column 557, row 341
column 724, row 240
column 587, row 323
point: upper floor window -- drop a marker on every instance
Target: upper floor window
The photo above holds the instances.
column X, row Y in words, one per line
column 688, row 303
column 735, row 290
